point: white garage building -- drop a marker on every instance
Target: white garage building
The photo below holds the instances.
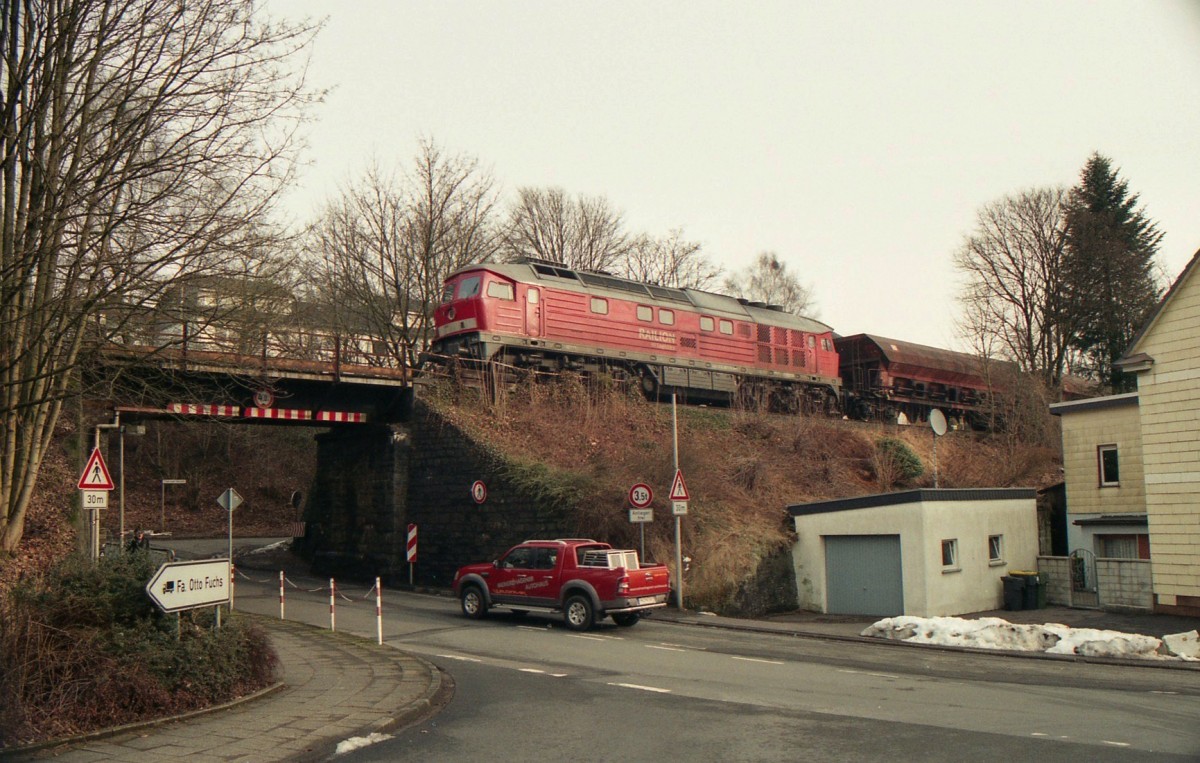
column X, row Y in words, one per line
column 920, row 552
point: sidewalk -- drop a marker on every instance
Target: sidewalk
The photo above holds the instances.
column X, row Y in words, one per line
column 332, row 687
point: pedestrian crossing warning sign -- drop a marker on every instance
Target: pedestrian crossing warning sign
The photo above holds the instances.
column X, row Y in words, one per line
column 95, row 475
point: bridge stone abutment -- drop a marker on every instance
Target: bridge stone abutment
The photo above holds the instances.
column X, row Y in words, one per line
column 373, row 480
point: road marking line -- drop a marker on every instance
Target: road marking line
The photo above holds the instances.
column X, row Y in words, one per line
column 1038, row 734
column 752, row 659
column 531, row 628
column 642, row 688
column 460, row 657
column 1114, row 744
column 589, row 638
column 877, row 675
column 665, row 648
column 530, row 670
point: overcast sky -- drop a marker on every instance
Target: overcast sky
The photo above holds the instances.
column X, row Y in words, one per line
column 856, row 140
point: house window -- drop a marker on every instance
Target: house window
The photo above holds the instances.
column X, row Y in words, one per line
column 645, row 313
column 1110, row 475
column 950, row 555
column 1117, row 547
column 666, row 317
column 599, row 306
column 726, row 327
column 995, row 549
column 706, row 323
column 499, row 290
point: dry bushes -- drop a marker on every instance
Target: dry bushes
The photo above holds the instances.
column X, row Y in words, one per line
column 82, row 647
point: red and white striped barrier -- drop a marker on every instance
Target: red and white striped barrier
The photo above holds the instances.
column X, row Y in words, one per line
column 280, row 414
column 342, row 417
column 199, row 409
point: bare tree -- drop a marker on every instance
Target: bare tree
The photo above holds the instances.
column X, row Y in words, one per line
column 670, row 261
column 1014, row 297
column 769, row 280
column 584, row 233
column 389, row 242
column 140, row 143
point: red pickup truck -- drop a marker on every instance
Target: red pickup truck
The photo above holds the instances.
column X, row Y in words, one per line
column 584, row 579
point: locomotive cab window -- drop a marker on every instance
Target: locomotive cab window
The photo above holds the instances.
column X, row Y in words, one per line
column 812, row 341
column 726, row 327
column 599, row 306
column 501, row 290
column 706, row 323
column 826, row 345
column 447, row 293
column 645, row 313
column 469, row 287
column 666, row 317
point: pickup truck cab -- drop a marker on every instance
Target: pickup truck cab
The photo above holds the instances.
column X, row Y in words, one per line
column 584, row 579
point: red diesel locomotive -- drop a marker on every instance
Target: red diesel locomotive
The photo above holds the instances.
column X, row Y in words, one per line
column 706, row 347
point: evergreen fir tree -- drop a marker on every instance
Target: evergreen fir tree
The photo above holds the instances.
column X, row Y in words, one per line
column 1111, row 276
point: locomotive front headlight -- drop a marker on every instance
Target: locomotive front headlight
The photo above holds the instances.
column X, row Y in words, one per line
column 450, row 314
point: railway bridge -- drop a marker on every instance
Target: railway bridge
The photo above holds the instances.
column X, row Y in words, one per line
column 384, row 460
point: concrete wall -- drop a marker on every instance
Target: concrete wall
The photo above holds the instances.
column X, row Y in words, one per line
column 929, row 590
column 1122, row 584
column 1125, row 584
column 373, row 480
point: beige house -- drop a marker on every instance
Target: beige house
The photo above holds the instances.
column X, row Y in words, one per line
column 1102, row 461
column 1166, row 358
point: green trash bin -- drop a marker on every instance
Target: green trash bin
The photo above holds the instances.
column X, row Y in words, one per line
column 1033, row 596
column 1014, row 593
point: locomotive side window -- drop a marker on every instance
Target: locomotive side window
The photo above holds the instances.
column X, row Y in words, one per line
column 666, row 317
column 645, row 313
column 812, row 341
column 826, row 345
column 469, row 287
column 500, row 290
column 532, row 296
column 727, row 327
column 599, row 306
column 706, row 323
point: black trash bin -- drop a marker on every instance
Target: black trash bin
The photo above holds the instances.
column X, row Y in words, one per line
column 1034, row 595
column 1014, row 593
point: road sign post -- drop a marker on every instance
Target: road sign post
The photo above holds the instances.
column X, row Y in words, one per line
column 95, row 482
column 229, row 501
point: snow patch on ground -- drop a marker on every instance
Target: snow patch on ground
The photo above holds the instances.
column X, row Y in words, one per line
column 995, row 633
column 356, row 743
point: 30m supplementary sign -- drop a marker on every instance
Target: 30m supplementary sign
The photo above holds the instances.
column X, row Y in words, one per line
column 187, row 585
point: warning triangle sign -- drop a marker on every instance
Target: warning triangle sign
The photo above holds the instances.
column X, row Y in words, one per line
column 95, row 474
column 679, row 491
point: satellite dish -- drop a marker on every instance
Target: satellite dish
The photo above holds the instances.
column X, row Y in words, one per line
column 937, row 422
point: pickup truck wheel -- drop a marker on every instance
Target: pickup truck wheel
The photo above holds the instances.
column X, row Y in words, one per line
column 626, row 619
column 474, row 605
column 578, row 614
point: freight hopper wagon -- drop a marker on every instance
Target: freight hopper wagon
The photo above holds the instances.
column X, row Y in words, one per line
column 706, row 347
column 886, row 379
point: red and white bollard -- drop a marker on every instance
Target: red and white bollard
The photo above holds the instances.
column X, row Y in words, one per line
column 332, row 612
column 281, row 617
column 379, row 611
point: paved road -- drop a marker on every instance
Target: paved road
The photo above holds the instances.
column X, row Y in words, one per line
column 721, row 695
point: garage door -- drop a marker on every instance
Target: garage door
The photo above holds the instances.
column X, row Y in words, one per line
column 862, row 575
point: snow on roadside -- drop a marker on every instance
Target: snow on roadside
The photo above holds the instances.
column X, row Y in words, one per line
column 995, row 633
column 357, row 743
